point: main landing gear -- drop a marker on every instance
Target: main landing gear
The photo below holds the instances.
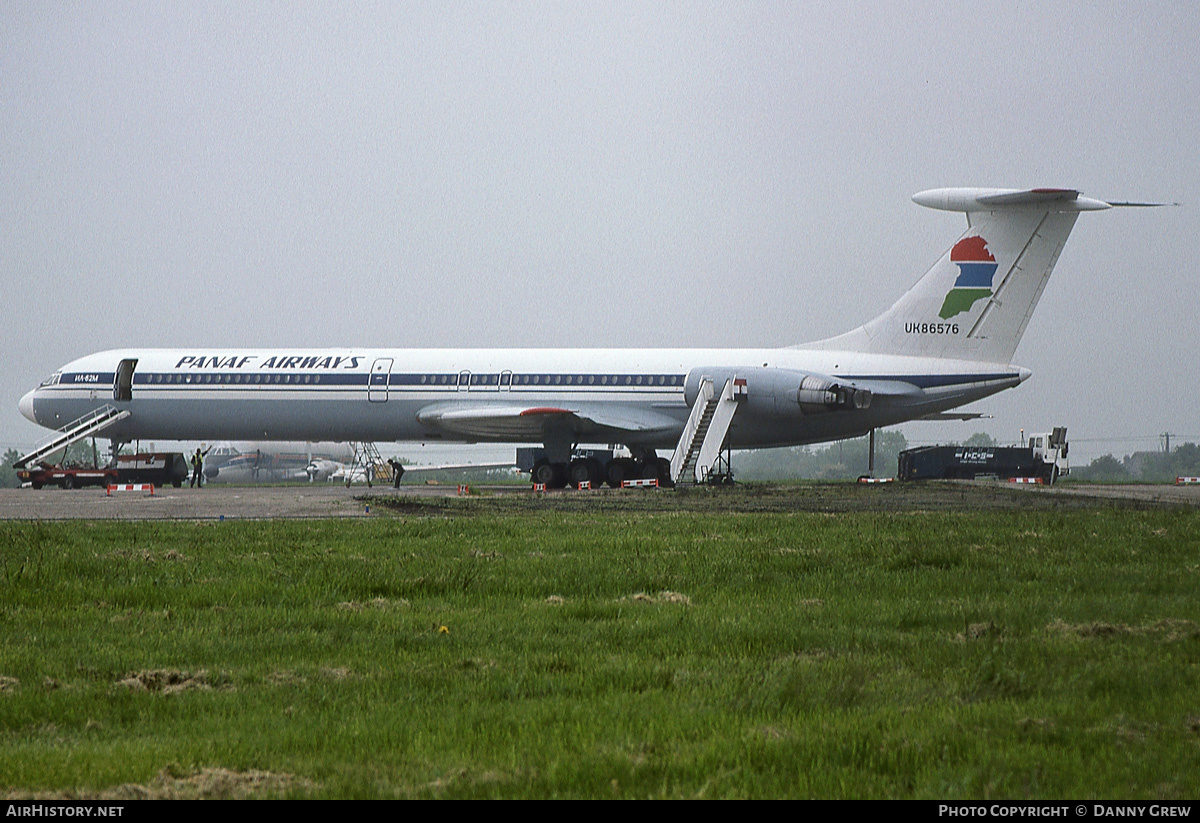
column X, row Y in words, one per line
column 646, row 466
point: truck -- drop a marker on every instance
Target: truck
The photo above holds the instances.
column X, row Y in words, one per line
column 1043, row 459
column 159, row 468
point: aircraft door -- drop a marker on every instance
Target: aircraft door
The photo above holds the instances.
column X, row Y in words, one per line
column 123, row 381
column 377, row 381
column 464, row 381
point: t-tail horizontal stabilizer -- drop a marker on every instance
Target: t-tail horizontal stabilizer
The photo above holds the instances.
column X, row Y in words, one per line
column 976, row 301
column 980, row 200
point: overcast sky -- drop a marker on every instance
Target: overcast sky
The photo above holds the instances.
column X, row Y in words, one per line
column 597, row 174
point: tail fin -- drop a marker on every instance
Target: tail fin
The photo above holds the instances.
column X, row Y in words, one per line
column 976, row 301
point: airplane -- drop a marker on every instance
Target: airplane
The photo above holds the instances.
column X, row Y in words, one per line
column 255, row 467
column 322, row 469
column 311, row 462
column 948, row 341
column 272, row 462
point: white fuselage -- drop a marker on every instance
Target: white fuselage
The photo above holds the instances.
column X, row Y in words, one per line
column 636, row 397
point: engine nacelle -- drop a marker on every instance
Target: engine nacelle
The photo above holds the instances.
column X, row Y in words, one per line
column 818, row 395
column 778, row 391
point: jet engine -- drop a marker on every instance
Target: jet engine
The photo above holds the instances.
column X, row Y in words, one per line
column 817, row 395
column 778, row 391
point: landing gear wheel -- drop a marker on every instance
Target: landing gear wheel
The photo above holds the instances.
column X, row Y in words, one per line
column 543, row 472
column 578, row 472
column 553, row 475
column 618, row 472
column 585, row 469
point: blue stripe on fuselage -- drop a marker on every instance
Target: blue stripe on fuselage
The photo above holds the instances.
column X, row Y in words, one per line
column 489, row 381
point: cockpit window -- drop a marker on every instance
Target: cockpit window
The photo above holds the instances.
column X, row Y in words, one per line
column 53, row 379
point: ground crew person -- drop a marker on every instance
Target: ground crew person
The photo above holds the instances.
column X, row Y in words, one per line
column 198, row 469
column 397, row 472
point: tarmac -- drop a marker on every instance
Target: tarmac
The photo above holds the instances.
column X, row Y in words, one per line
column 218, row 502
column 213, row 502
column 1188, row 495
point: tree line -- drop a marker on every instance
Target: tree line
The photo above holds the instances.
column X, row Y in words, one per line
column 1145, row 467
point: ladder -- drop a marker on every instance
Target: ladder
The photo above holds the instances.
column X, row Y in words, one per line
column 368, row 457
column 86, row 426
column 700, row 443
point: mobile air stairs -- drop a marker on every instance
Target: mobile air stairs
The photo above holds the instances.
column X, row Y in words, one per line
column 371, row 462
column 86, row 426
column 697, row 457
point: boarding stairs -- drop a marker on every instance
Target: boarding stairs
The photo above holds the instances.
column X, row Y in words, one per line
column 699, row 447
column 86, row 426
column 367, row 457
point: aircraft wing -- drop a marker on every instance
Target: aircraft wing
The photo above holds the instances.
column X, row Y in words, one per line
column 517, row 422
column 955, row 416
column 448, row 467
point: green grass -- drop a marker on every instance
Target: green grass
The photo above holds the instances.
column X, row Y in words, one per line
column 607, row 652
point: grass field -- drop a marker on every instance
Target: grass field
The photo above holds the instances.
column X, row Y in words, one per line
column 481, row 648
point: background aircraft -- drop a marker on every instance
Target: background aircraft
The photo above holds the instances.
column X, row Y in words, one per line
column 270, row 462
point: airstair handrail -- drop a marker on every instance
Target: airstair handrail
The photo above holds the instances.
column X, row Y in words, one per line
column 686, row 439
column 95, row 420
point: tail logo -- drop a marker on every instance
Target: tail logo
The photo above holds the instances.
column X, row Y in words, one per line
column 976, row 267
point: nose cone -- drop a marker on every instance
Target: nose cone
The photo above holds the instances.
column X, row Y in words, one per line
column 26, row 407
